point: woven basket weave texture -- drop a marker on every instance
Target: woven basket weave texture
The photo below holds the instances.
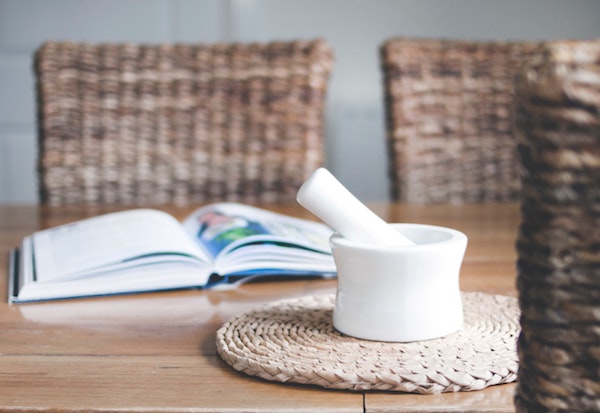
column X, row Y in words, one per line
column 179, row 123
column 558, row 132
column 294, row 341
column 449, row 119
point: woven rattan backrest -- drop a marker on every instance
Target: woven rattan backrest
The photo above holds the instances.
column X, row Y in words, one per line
column 154, row 124
column 449, row 119
column 558, row 244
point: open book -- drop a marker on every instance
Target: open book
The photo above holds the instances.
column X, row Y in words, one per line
column 149, row 250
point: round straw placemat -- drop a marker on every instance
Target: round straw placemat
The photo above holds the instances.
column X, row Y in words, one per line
column 294, row 341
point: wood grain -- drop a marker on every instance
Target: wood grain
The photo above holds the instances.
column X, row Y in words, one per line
column 156, row 352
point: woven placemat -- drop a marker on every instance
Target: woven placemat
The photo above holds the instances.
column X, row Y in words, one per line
column 294, row 341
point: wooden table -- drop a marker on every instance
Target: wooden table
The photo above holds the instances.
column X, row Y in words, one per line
column 156, row 352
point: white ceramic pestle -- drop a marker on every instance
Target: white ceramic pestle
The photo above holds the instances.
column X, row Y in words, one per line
column 324, row 196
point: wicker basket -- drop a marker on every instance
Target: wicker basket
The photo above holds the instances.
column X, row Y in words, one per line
column 449, row 119
column 558, row 133
column 154, row 124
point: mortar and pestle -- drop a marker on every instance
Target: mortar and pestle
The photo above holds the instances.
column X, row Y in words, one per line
column 396, row 282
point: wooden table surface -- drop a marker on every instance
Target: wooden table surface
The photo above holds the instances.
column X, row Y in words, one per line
column 156, row 352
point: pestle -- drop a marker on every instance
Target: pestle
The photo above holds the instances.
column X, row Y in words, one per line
column 324, row 196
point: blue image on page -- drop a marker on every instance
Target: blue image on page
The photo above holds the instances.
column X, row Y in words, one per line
column 217, row 230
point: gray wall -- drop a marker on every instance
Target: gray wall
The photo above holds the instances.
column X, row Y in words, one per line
column 355, row 28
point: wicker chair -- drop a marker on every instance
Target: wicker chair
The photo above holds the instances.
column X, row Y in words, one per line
column 558, row 266
column 155, row 124
column 449, row 118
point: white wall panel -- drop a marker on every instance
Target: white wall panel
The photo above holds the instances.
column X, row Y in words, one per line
column 24, row 24
column 199, row 21
column 16, row 89
column 18, row 182
column 360, row 130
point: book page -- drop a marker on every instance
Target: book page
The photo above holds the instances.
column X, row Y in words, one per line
column 107, row 240
column 223, row 227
